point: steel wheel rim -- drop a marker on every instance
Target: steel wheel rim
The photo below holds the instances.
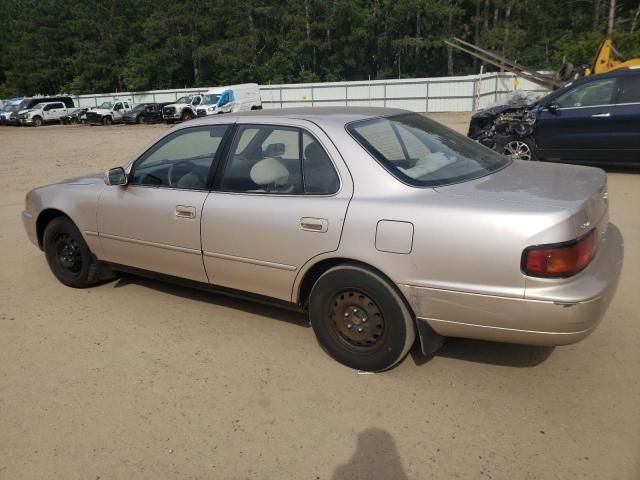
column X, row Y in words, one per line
column 356, row 322
column 517, row 150
column 68, row 254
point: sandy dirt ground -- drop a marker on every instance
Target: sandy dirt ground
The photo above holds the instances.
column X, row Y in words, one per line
column 136, row 379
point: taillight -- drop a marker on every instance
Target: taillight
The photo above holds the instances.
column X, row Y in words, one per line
column 559, row 259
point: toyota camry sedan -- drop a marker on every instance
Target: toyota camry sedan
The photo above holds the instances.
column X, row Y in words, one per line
column 383, row 225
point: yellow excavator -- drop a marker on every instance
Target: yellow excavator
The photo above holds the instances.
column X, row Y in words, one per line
column 606, row 59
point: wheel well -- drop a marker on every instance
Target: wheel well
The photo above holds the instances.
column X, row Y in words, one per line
column 315, row 272
column 43, row 220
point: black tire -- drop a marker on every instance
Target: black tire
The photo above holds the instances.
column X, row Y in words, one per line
column 140, row 119
column 360, row 319
column 68, row 255
column 510, row 145
column 107, row 121
column 186, row 116
column 37, row 121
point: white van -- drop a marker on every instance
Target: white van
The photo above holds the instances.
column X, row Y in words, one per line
column 234, row 98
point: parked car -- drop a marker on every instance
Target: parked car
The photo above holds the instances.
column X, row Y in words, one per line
column 182, row 109
column 29, row 103
column 41, row 113
column 144, row 113
column 75, row 116
column 596, row 119
column 235, row 98
column 380, row 223
column 9, row 116
column 108, row 113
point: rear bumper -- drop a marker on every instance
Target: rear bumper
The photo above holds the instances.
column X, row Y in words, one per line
column 564, row 312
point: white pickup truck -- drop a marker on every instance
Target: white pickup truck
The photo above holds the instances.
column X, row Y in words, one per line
column 183, row 109
column 42, row 113
column 108, row 112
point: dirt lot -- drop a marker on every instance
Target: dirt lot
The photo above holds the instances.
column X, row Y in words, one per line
column 136, row 379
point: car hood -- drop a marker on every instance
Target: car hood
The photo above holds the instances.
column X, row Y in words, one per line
column 558, row 185
column 90, row 179
column 101, row 111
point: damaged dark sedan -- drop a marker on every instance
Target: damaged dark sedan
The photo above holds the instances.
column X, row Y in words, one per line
column 593, row 120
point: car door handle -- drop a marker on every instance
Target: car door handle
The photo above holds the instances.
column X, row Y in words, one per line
column 312, row 224
column 183, row 211
column 601, row 115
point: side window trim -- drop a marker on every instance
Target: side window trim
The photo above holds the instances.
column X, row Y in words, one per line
column 224, row 142
column 216, row 185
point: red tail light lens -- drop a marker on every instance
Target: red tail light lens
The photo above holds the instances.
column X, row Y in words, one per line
column 560, row 259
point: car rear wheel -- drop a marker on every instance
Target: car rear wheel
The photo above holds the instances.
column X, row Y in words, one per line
column 68, row 255
column 360, row 319
column 517, row 148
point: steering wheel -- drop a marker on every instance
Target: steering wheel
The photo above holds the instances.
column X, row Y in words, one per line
column 173, row 182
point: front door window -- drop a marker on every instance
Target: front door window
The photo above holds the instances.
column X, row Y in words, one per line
column 182, row 160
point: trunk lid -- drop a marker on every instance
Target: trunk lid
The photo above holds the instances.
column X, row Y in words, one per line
column 581, row 190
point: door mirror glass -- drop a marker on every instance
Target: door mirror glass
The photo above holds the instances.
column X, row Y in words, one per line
column 115, row 176
column 552, row 107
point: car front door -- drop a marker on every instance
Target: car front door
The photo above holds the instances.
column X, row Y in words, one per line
column 46, row 112
column 577, row 124
column 153, row 223
column 280, row 201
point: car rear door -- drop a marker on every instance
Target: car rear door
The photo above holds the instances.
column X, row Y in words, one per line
column 153, row 223
column 263, row 222
column 625, row 119
column 580, row 125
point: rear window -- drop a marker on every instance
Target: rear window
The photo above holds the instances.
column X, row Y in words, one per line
column 423, row 153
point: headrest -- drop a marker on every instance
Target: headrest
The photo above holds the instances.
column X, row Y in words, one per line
column 269, row 171
column 313, row 151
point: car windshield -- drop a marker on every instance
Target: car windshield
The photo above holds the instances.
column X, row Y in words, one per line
column 210, row 99
column 184, row 100
column 139, row 108
column 12, row 108
column 106, row 105
column 38, row 106
column 423, row 153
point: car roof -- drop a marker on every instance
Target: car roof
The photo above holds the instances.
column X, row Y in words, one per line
column 319, row 115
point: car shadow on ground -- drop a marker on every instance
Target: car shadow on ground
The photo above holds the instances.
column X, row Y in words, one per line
column 214, row 298
column 376, row 458
column 477, row 351
column 492, row 353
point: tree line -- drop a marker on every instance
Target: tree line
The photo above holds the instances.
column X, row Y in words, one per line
column 91, row 46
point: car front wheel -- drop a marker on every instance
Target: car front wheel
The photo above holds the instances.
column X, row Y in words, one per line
column 516, row 148
column 68, row 255
column 360, row 319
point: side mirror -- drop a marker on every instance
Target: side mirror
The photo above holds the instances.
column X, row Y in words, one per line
column 553, row 107
column 274, row 150
column 116, row 176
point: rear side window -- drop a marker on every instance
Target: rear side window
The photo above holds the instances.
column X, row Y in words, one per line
column 630, row 92
column 423, row 153
column 278, row 160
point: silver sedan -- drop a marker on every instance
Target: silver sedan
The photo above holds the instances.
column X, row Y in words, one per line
column 382, row 224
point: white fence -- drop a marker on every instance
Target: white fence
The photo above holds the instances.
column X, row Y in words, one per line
column 441, row 94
